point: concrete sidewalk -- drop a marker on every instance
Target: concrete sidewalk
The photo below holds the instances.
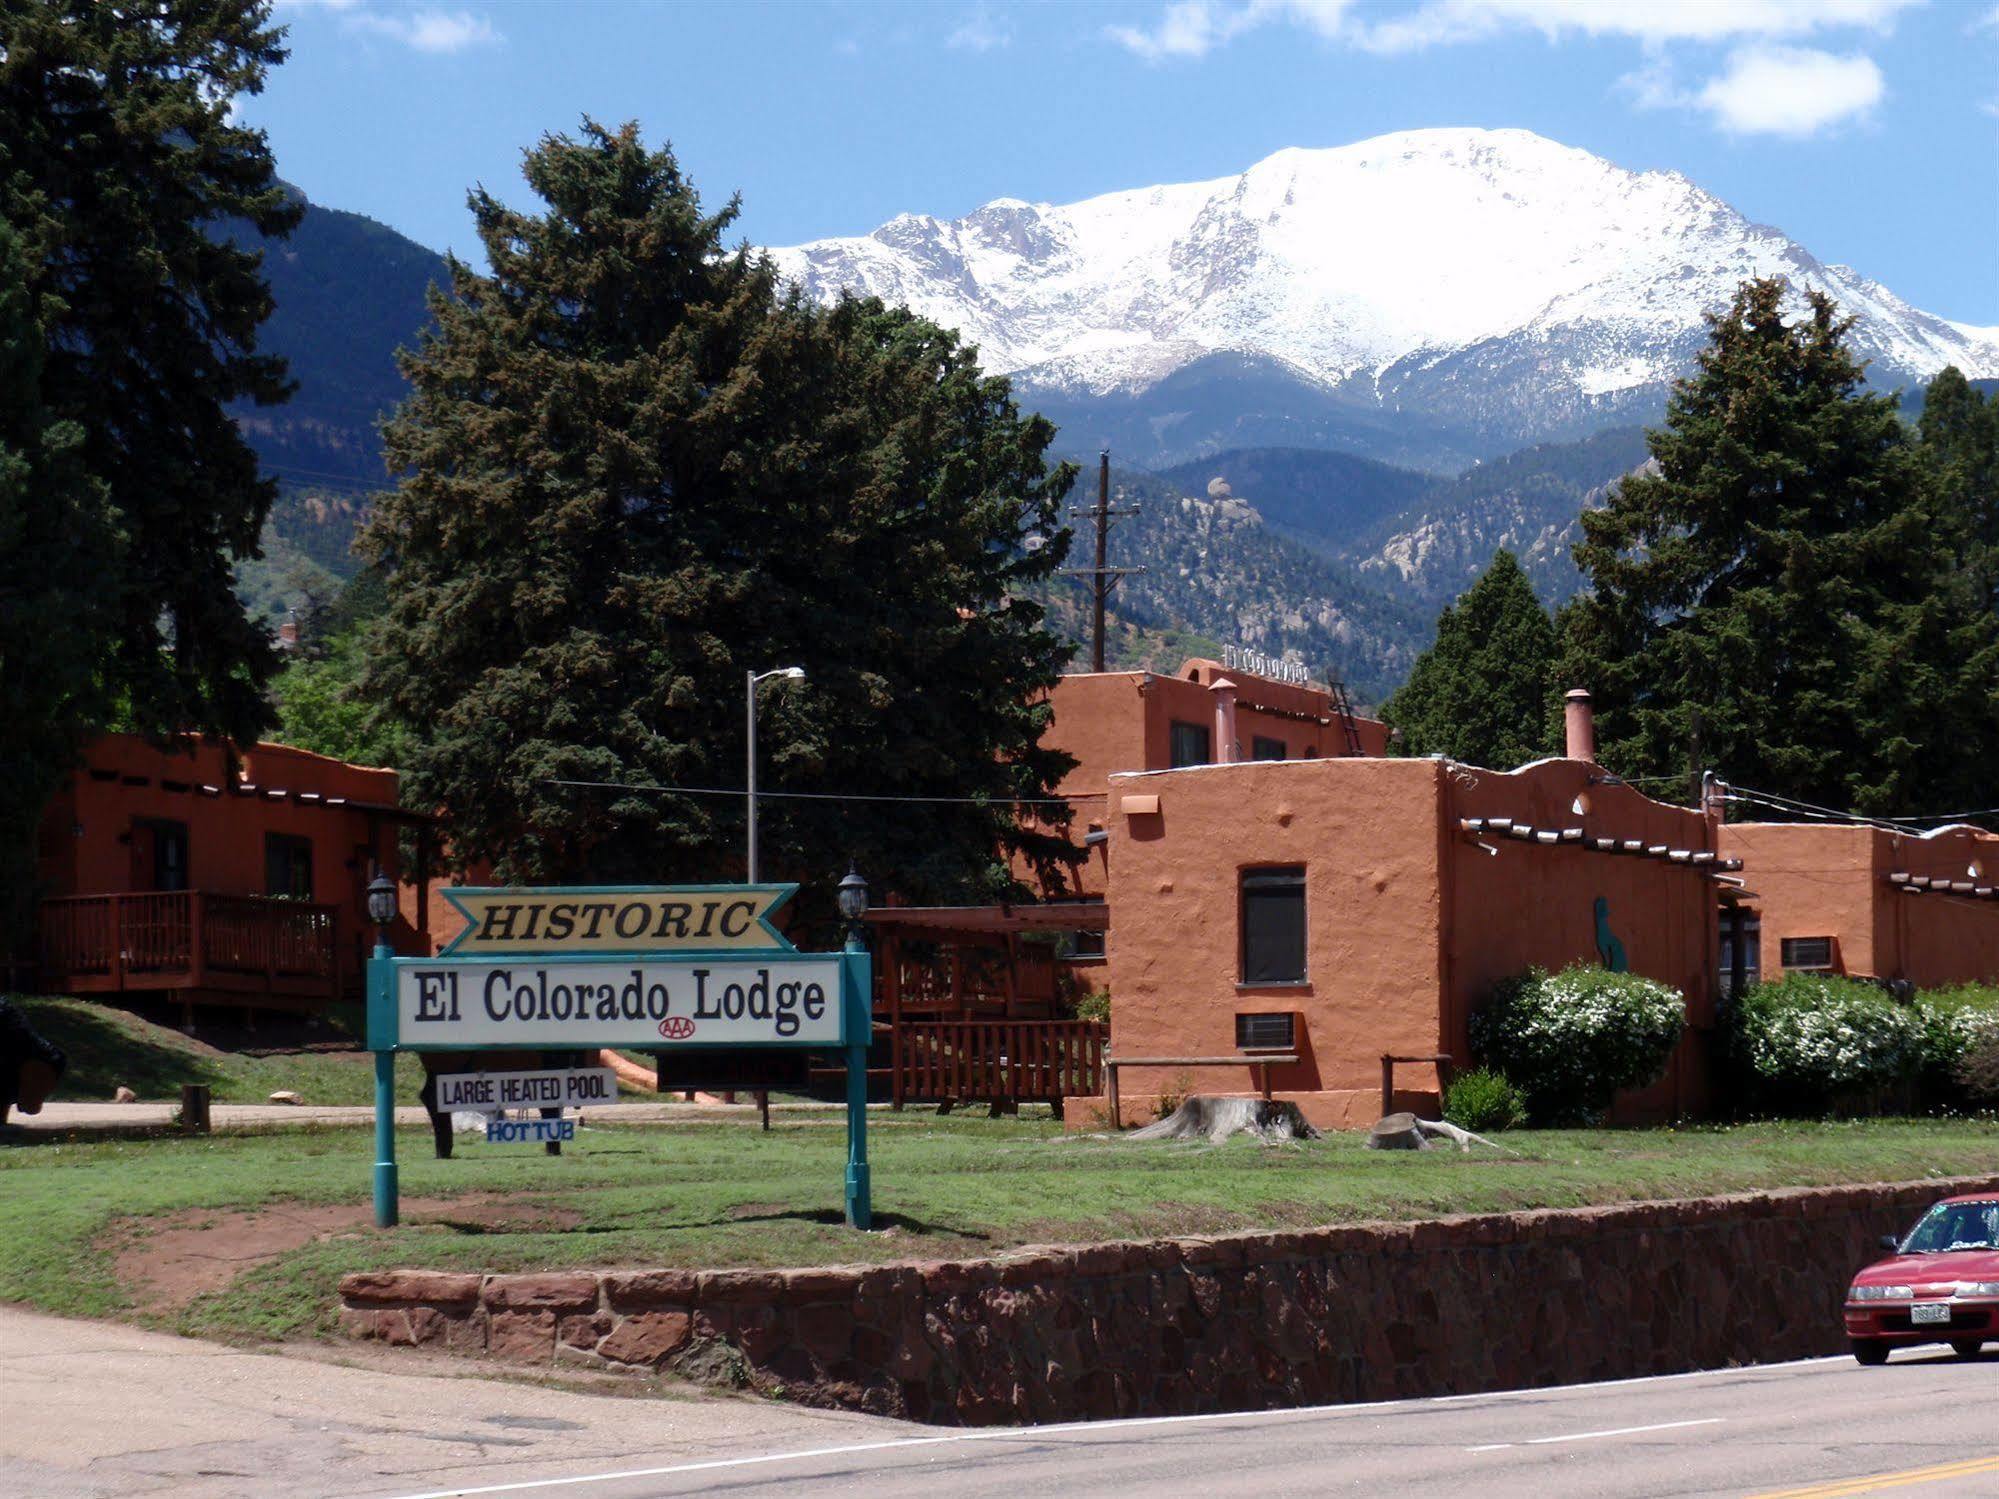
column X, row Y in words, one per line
column 95, row 1409
column 57, row 1116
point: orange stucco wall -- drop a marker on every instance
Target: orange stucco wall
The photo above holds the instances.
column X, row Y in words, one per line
column 1408, row 920
column 96, row 836
column 1117, row 721
column 1832, row 881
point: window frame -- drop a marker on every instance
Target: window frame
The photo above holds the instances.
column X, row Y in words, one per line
column 1288, row 1044
column 1175, row 727
column 297, row 849
column 1258, row 743
column 1288, row 878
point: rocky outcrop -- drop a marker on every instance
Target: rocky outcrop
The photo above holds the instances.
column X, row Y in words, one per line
column 1365, row 1312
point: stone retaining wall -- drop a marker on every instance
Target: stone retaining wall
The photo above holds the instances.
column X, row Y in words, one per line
column 1367, row 1312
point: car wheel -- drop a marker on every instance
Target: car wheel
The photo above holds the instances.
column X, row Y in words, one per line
column 1869, row 1351
column 1966, row 1347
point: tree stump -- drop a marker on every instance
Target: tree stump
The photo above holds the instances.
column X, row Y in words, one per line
column 1200, row 1117
column 1396, row 1132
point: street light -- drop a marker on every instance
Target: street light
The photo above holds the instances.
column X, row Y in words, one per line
column 853, row 900
column 381, row 909
column 789, row 673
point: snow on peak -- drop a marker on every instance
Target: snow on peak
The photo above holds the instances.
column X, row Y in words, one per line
column 1379, row 263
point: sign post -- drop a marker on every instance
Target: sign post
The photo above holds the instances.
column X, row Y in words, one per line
column 651, row 968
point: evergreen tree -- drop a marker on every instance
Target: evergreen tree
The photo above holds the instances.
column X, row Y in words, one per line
column 122, row 176
column 1960, row 432
column 637, row 471
column 57, row 544
column 1481, row 693
column 1789, row 574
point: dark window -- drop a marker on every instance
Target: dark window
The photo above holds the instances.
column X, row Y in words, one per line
column 288, row 866
column 1086, row 945
column 1807, row 953
column 169, row 855
column 1273, row 925
column 1191, row 744
column 1261, row 748
column 1264, row 1032
column 1740, row 925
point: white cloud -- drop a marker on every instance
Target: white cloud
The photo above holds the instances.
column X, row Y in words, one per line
column 1794, row 91
column 981, row 31
column 1650, row 21
column 1192, row 28
column 435, row 31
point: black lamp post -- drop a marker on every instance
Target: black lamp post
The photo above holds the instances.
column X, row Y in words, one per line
column 853, row 897
column 382, row 911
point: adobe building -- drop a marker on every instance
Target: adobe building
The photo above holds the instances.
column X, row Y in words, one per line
column 1864, row 901
column 200, row 875
column 1342, row 911
column 1204, row 714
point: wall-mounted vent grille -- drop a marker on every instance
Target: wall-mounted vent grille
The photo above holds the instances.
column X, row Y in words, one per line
column 1265, row 1032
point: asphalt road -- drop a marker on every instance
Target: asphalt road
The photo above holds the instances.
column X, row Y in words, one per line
column 96, row 1410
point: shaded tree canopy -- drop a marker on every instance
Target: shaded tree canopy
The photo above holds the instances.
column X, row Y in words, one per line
column 1481, row 692
column 1796, row 573
column 638, row 469
column 128, row 326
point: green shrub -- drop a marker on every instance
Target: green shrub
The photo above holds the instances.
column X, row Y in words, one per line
column 1483, row 1101
column 1977, row 1072
column 1092, row 1004
column 1956, row 1022
column 1572, row 1041
column 1812, row 1043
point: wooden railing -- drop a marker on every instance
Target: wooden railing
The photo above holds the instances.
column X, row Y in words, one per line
column 188, row 939
column 247, row 934
column 938, row 1061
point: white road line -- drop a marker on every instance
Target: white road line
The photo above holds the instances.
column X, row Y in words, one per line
column 1623, row 1431
column 1035, row 1433
column 1584, row 1436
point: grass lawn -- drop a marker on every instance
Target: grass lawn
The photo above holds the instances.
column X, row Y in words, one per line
column 110, row 1048
column 715, row 1195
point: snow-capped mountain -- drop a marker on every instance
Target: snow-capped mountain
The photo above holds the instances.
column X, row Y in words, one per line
column 1496, row 282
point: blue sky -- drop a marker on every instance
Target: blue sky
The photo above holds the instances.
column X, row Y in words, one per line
column 1866, row 129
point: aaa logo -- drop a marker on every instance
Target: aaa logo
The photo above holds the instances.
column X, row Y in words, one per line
column 676, row 1027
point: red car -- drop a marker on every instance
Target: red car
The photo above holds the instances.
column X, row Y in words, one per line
column 1940, row 1285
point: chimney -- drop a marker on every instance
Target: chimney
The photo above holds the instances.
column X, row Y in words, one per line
column 1225, row 746
column 1579, row 714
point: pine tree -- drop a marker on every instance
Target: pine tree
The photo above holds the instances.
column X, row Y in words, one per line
column 1481, row 693
column 122, row 176
column 1787, row 574
column 57, row 544
column 638, row 470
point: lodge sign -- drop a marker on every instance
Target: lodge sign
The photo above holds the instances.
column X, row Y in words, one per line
column 651, row 918
column 597, row 1002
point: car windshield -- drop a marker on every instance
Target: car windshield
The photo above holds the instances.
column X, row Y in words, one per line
column 1955, row 1225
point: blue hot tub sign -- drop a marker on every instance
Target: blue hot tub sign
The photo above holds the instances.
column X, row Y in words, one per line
column 646, row 968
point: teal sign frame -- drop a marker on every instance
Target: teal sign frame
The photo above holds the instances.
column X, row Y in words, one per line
column 853, row 1009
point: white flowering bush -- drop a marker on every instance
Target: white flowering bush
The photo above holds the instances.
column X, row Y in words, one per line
column 1573, row 1040
column 1958, row 1023
column 1813, row 1043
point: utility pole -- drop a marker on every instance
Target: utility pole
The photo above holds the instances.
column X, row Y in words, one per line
column 1102, row 578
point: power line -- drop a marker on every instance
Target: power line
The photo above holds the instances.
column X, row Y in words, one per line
column 837, row 796
column 1798, row 807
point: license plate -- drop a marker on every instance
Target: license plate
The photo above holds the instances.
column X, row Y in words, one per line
column 1923, row 1314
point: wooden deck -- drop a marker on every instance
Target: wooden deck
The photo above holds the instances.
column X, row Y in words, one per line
column 244, row 948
